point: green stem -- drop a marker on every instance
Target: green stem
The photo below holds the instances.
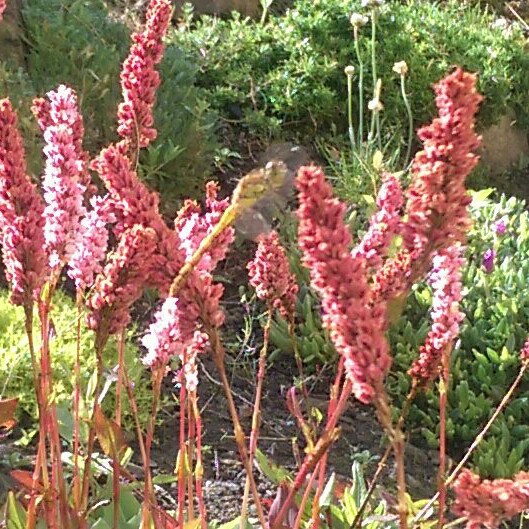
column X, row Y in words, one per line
column 410, row 119
column 373, row 68
column 360, row 89
column 350, row 112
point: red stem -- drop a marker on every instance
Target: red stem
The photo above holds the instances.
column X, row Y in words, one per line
column 76, row 400
column 182, row 448
column 311, row 460
column 443, row 389
column 256, row 416
column 190, row 459
column 199, row 468
column 335, row 391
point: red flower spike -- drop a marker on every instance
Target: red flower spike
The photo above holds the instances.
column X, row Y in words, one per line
column 489, row 502
column 355, row 324
column 21, row 215
column 140, row 80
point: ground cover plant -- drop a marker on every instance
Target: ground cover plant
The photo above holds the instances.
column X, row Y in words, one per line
column 113, row 244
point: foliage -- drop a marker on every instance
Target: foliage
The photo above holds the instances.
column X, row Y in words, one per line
column 179, row 161
column 77, row 43
column 286, row 76
column 16, row 370
column 313, row 345
column 485, row 359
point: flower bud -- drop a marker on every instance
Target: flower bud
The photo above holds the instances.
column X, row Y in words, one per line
column 349, row 70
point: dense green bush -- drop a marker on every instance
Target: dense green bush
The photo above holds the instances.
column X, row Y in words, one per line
column 485, row 360
column 76, row 42
column 287, row 75
column 15, row 368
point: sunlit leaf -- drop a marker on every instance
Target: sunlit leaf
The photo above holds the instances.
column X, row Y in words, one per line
column 109, row 434
column 7, row 413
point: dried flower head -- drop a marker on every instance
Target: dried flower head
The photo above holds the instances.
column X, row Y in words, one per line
column 524, row 353
column 270, row 275
column 375, row 105
column 373, row 4
column 401, row 68
column 490, row 502
column 21, row 215
column 356, row 325
column 358, row 20
column 349, row 70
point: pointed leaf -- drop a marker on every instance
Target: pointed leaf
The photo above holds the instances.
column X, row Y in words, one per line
column 109, row 434
column 25, row 478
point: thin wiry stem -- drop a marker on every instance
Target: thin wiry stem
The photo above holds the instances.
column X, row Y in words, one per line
column 443, row 390
column 256, row 417
column 218, row 358
column 360, row 89
column 350, row 112
column 410, row 119
column 477, row 440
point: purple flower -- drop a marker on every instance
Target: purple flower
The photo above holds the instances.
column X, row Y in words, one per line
column 500, row 226
column 488, row 260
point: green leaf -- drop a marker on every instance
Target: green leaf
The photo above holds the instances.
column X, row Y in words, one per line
column 234, row 524
column 272, row 471
column 16, row 516
column 479, row 198
column 327, row 494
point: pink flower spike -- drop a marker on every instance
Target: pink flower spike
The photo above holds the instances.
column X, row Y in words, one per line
column 122, row 280
column 192, row 226
column 21, row 215
column 3, row 5
column 90, row 252
column 437, row 201
column 170, row 333
column 445, row 280
column 356, row 326
column 270, row 275
column 133, row 203
column 64, row 174
column 488, row 503
column 383, row 225
column 139, row 79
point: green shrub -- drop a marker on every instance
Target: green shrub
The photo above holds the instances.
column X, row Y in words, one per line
column 16, row 371
column 485, row 359
column 76, row 42
column 286, row 77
